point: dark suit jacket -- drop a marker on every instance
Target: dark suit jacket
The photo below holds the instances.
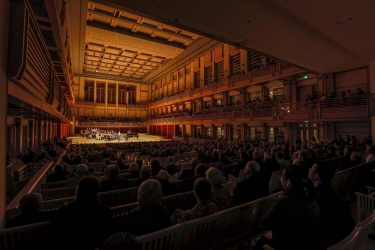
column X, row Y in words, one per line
column 294, row 221
column 82, row 225
column 139, row 182
column 331, row 155
column 113, row 184
column 336, row 220
column 25, row 219
column 267, row 168
column 167, row 188
column 144, row 220
column 188, row 184
column 132, row 175
column 187, row 173
column 56, row 177
column 252, row 188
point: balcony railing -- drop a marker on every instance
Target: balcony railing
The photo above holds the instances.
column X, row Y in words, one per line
column 271, row 70
column 347, row 107
column 110, row 124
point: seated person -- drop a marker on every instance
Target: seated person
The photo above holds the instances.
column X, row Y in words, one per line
column 254, row 187
column 293, row 218
column 144, row 175
column 113, row 182
column 134, row 171
column 172, row 172
column 29, row 206
column 151, row 215
column 166, row 187
column 188, row 184
column 80, row 173
column 86, row 223
column 189, row 173
column 202, row 192
column 57, row 175
column 356, row 159
column 220, row 195
column 336, row 221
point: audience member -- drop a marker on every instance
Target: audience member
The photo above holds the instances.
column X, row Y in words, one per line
column 151, row 215
column 57, row 175
column 202, row 192
column 166, row 187
column 134, row 171
column 220, row 195
column 293, row 218
column 254, row 187
column 29, row 206
column 144, row 175
column 336, row 221
column 188, row 184
column 85, row 224
column 113, row 182
column 80, row 173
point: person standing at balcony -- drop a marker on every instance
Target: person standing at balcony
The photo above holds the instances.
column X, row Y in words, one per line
column 360, row 91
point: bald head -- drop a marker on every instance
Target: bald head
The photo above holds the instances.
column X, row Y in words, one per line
column 252, row 168
column 81, row 169
column 163, row 175
column 134, row 167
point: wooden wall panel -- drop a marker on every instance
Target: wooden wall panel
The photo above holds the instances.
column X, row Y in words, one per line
column 352, row 80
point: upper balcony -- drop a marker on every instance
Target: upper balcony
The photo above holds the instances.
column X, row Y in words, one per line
column 331, row 109
column 253, row 77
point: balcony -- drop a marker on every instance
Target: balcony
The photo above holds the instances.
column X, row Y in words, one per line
column 110, row 124
column 235, row 82
column 332, row 109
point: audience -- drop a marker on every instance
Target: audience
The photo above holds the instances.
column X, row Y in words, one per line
column 134, row 171
column 144, row 175
column 121, row 241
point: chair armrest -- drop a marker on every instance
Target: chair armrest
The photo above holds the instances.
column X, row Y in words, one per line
column 267, row 247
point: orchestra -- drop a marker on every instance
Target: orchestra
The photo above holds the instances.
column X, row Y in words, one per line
column 99, row 134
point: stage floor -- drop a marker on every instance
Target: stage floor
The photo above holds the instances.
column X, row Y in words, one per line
column 142, row 137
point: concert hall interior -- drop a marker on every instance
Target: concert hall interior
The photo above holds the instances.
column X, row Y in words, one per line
column 187, row 124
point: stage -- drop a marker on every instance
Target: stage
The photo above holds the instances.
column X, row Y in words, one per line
column 141, row 138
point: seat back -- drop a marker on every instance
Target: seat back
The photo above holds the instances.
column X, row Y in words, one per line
column 348, row 243
column 202, row 233
column 118, row 197
column 364, row 230
column 57, row 193
column 169, row 238
column 33, row 236
column 241, row 175
column 51, row 185
column 237, row 220
column 97, row 166
column 229, row 187
column 365, row 206
column 55, row 204
column 233, row 180
column 275, row 184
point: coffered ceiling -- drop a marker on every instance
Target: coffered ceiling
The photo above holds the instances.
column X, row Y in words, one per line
column 123, row 44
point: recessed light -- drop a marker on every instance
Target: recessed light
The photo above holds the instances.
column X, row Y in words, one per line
column 360, row 40
column 338, row 23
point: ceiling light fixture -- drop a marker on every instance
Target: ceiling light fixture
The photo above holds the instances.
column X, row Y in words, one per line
column 360, row 40
column 338, row 23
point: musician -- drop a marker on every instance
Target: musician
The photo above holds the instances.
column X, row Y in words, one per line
column 119, row 136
